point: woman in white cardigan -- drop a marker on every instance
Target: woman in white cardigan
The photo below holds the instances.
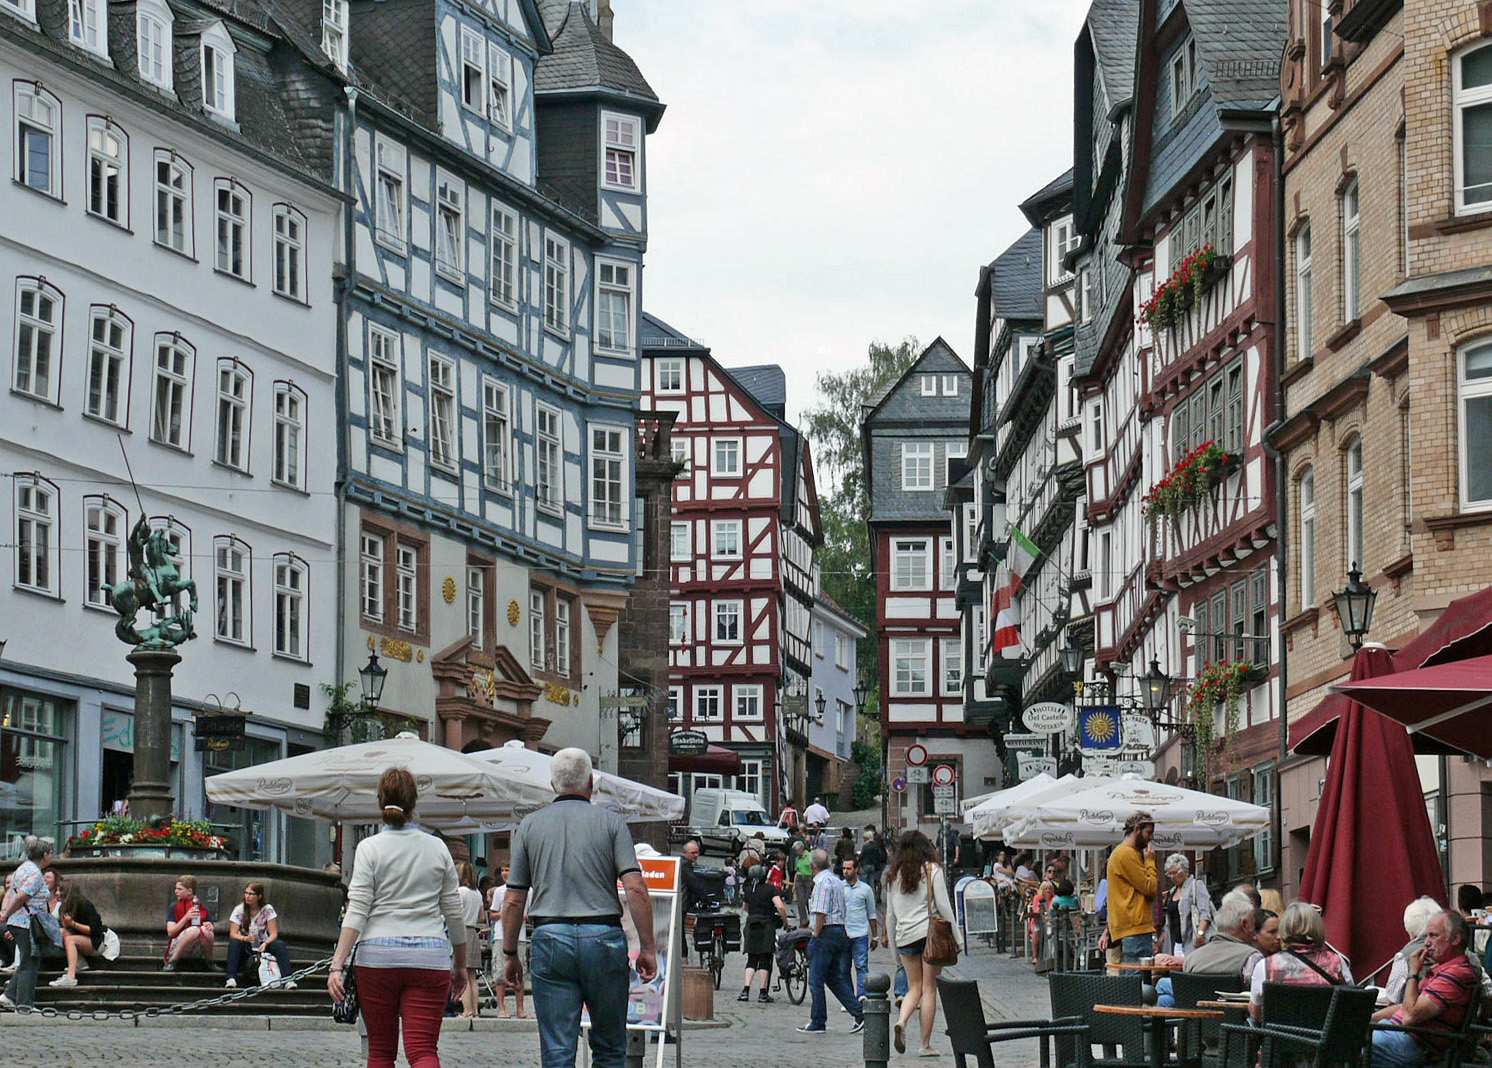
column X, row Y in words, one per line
column 404, row 915
column 912, row 871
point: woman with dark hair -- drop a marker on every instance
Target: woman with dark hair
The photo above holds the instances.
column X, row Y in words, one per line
column 401, row 904
column 765, row 910
column 82, row 933
column 914, row 879
column 254, row 925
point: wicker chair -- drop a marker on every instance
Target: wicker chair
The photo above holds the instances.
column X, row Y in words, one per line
column 1195, row 1037
column 1327, row 1025
column 1467, row 1046
column 971, row 1036
column 1075, row 994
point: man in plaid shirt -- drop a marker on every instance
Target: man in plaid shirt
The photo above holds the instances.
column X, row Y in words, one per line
column 829, row 954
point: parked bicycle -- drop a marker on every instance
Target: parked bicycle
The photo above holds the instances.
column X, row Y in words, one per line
column 792, row 963
column 715, row 935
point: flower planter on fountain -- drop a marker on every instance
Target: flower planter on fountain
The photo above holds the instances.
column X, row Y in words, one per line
column 122, row 836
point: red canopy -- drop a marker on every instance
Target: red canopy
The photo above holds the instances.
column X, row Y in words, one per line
column 1372, row 851
column 1451, row 702
column 716, row 759
column 1463, row 630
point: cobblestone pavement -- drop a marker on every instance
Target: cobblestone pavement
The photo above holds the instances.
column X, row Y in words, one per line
column 743, row 1036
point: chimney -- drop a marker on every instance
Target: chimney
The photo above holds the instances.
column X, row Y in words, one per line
column 604, row 17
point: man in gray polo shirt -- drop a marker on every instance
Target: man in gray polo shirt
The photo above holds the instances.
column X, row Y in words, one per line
column 569, row 855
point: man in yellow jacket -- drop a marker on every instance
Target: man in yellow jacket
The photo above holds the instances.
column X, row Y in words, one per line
column 1132, row 889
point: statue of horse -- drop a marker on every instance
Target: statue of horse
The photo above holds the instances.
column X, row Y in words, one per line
column 154, row 583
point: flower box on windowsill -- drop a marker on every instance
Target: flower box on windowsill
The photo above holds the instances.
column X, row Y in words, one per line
column 1190, row 480
column 1191, row 280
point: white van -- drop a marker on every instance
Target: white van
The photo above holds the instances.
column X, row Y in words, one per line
column 725, row 819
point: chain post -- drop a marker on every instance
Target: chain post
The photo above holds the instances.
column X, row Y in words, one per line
column 877, row 1010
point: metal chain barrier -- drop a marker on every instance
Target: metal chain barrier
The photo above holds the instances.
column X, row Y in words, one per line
column 52, row 1012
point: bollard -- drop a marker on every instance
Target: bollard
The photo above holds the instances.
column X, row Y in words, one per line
column 637, row 1047
column 877, row 1008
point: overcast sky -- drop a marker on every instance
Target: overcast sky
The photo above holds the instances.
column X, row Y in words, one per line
column 832, row 172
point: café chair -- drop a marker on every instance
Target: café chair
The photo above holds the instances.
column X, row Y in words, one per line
column 971, row 1036
column 1121, row 1038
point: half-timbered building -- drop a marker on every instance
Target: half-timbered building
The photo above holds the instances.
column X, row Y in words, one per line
column 914, row 433
column 744, row 529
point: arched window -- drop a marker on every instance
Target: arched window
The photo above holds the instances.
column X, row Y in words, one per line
column 217, row 54
column 235, row 393
column 1471, row 96
column 108, row 171
column 290, row 253
column 153, row 20
column 104, row 528
column 171, row 399
column 290, row 435
column 1352, row 511
column 38, row 338
column 36, row 534
column 37, row 139
column 179, row 535
column 87, row 25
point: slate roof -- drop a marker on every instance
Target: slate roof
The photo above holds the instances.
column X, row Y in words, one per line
column 1050, row 196
column 654, row 333
column 767, row 383
column 1113, row 26
column 1015, row 279
column 392, row 49
column 1240, row 44
column 583, row 60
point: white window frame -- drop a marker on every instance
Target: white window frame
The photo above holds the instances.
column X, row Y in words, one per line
column 1352, row 511
column 562, row 612
column 549, row 459
column 679, row 543
column 289, row 466
column 233, row 214
column 556, row 284
column 443, row 413
column 502, row 284
column 217, row 71
column 499, row 87
column 497, row 437
column 621, row 152
column 407, row 587
column 1462, row 101
column 948, row 564
column 678, row 622
column 616, row 298
column 108, row 193
column 725, row 457
column 843, row 659
column 88, row 25
column 908, row 554
column 1351, row 252
column 906, row 654
column 233, row 619
column 450, row 226
column 951, row 661
column 171, row 392
column 1062, row 238
column 36, row 544
column 668, row 375
column 106, row 389
column 105, row 524
column 174, row 204
column 720, row 617
column 334, row 27
column 675, row 703
column 371, row 562
column 709, row 704
column 38, row 112
column 538, row 629
column 746, row 703
column 385, row 405
column 235, row 398
column 390, row 194
column 1304, row 304
column 154, row 25
column 473, row 79
column 1470, row 390
column 37, row 366
column 608, row 457
column 950, row 385
column 290, row 254
column 1306, row 490
column 24, row 9
column 476, row 605
column 917, row 466
column 722, row 531
column 292, row 579
column 928, row 385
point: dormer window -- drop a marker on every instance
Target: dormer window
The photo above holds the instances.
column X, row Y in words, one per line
column 153, row 41
column 334, row 31
column 1183, row 76
column 622, row 137
column 217, row 71
column 86, row 25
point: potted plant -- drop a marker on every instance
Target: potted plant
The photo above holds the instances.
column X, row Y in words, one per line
column 125, row 836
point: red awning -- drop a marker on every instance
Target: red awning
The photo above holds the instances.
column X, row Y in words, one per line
column 1449, row 702
column 716, row 759
column 1463, row 630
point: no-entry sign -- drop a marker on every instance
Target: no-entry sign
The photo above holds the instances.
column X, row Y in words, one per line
column 916, row 755
column 943, row 775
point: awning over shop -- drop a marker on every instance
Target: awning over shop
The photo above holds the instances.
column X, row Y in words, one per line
column 1462, row 631
column 1451, row 703
column 716, row 760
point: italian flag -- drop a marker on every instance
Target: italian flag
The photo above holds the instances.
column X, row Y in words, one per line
column 1005, row 637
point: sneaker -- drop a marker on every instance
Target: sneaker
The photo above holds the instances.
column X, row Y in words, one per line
column 63, row 981
column 809, row 1029
column 765, row 998
column 231, row 984
column 290, row 984
column 10, row 969
column 82, row 964
column 745, row 995
column 6, row 1003
column 859, row 1026
column 169, row 966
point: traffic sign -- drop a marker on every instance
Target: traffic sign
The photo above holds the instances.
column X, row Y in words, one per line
column 922, row 773
column 943, row 791
column 898, row 784
column 945, row 806
column 943, row 775
column 916, row 755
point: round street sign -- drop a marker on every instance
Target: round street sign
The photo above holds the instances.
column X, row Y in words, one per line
column 943, row 775
column 898, row 784
column 916, row 755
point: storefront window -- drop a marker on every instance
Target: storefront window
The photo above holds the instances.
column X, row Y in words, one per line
column 251, row 833
column 118, row 769
column 32, row 741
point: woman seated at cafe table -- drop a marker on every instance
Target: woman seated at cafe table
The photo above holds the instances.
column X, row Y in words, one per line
column 1304, row 958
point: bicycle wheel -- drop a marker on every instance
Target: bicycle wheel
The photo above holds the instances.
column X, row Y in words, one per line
column 796, row 982
column 717, row 957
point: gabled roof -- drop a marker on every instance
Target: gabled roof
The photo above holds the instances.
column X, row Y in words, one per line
column 1112, row 26
column 584, row 61
column 1240, row 43
column 767, row 383
column 654, row 333
column 1054, row 198
column 938, row 357
column 1015, row 279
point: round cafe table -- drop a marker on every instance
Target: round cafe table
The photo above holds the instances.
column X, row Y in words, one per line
column 1158, row 1017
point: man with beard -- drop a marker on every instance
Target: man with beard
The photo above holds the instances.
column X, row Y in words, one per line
column 1132, row 887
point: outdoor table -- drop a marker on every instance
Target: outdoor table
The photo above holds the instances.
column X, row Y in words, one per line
column 1158, row 1016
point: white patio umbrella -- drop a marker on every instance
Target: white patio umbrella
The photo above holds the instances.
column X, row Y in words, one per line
column 1188, row 817
column 456, row 792
column 993, row 819
column 1035, row 783
column 635, row 801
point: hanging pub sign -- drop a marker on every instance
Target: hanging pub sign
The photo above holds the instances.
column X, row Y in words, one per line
column 1047, row 717
column 687, row 743
column 219, row 731
column 1099, row 729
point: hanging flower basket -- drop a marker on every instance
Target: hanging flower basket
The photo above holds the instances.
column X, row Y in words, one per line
column 1219, row 686
column 1191, row 279
column 1192, row 477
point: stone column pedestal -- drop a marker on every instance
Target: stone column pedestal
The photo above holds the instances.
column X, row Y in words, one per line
column 150, row 792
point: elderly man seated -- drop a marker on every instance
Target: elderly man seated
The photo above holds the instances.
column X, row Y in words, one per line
column 1436, row 995
column 1231, row 944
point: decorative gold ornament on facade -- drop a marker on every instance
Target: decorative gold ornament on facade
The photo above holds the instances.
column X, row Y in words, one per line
column 483, row 686
column 513, row 613
column 395, row 649
column 448, row 589
column 419, row 656
column 557, row 694
column 371, row 643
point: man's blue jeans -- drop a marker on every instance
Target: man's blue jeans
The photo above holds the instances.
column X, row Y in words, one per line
column 573, row 964
column 860, row 952
column 1395, row 1049
column 1133, row 947
column 828, row 961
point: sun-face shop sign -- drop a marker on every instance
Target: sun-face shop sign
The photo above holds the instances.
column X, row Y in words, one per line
column 1047, row 717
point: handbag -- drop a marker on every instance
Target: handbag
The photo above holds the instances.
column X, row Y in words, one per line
column 109, row 949
column 941, row 948
column 345, row 1011
column 269, row 970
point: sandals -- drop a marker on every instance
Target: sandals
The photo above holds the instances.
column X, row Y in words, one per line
column 900, row 1039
